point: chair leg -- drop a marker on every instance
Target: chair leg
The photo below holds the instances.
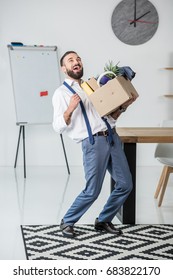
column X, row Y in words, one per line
column 160, row 183
column 165, row 181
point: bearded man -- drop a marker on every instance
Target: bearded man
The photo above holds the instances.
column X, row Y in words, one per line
column 75, row 114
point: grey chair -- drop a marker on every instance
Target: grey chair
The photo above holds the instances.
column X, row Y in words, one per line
column 164, row 154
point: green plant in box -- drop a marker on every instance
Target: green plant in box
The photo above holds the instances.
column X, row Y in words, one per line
column 110, row 71
column 111, row 67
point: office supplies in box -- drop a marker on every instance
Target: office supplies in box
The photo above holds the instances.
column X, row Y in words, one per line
column 108, row 98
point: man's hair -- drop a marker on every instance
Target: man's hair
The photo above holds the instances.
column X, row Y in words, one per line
column 62, row 58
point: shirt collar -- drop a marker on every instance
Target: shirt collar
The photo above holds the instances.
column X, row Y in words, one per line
column 71, row 82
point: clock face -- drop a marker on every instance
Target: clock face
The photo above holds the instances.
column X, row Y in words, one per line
column 134, row 22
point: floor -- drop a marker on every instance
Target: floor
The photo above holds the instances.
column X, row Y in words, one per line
column 47, row 192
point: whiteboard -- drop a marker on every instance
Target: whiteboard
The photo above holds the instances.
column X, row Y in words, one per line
column 35, row 77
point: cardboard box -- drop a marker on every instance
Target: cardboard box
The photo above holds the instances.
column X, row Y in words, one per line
column 114, row 93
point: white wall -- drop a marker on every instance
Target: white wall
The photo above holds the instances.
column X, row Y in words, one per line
column 84, row 26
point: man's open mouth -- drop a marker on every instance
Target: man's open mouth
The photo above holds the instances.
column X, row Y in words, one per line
column 77, row 67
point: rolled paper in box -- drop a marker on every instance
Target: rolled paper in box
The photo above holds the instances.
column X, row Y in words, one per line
column 90, row 86
column 87, row 88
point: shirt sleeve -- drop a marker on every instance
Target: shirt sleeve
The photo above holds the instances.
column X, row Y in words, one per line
column 59, row 107
column 112, row 121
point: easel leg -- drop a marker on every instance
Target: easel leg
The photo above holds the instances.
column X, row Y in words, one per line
column 22, row 129
column 65, row 154
column 24, row 159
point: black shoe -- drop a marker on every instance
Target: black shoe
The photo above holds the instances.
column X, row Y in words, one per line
column 107, row 226
column 67, row 230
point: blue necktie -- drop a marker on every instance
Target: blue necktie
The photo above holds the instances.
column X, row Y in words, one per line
column 110, row 134
column 91, row 137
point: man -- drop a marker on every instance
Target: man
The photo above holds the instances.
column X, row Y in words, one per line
column 99, row 156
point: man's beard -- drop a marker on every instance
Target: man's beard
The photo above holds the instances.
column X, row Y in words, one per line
column 73, row 75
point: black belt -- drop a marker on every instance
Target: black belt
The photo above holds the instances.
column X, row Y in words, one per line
column 103, row 133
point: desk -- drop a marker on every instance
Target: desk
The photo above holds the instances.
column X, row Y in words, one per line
column 130, row 136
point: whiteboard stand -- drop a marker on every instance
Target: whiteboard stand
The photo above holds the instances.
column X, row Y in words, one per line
column 65, row 155
column 22, row 131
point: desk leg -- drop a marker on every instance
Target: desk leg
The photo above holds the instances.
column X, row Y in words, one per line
column 127, row 213
column 129, row 208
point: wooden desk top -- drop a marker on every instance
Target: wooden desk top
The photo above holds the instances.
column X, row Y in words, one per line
column 145, row 134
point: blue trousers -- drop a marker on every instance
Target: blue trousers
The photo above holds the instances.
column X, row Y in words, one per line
column 97, row 159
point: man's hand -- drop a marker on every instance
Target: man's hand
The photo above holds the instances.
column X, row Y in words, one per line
column 74, row 101
column 115, row 114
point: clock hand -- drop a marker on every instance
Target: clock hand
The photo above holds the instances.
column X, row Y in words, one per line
column 134, row 13
column 140, row 17
column 143, row 21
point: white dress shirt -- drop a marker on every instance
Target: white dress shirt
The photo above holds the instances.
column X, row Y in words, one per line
column 77, row 129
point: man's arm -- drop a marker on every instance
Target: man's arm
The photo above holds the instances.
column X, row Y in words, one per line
column 122, row 108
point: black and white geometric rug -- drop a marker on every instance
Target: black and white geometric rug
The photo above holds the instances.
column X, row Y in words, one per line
column 147, row 242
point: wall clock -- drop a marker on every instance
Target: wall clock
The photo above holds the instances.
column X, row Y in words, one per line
column 134, row 22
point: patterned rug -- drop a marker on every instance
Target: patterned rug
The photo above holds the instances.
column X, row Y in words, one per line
column 149, row 242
